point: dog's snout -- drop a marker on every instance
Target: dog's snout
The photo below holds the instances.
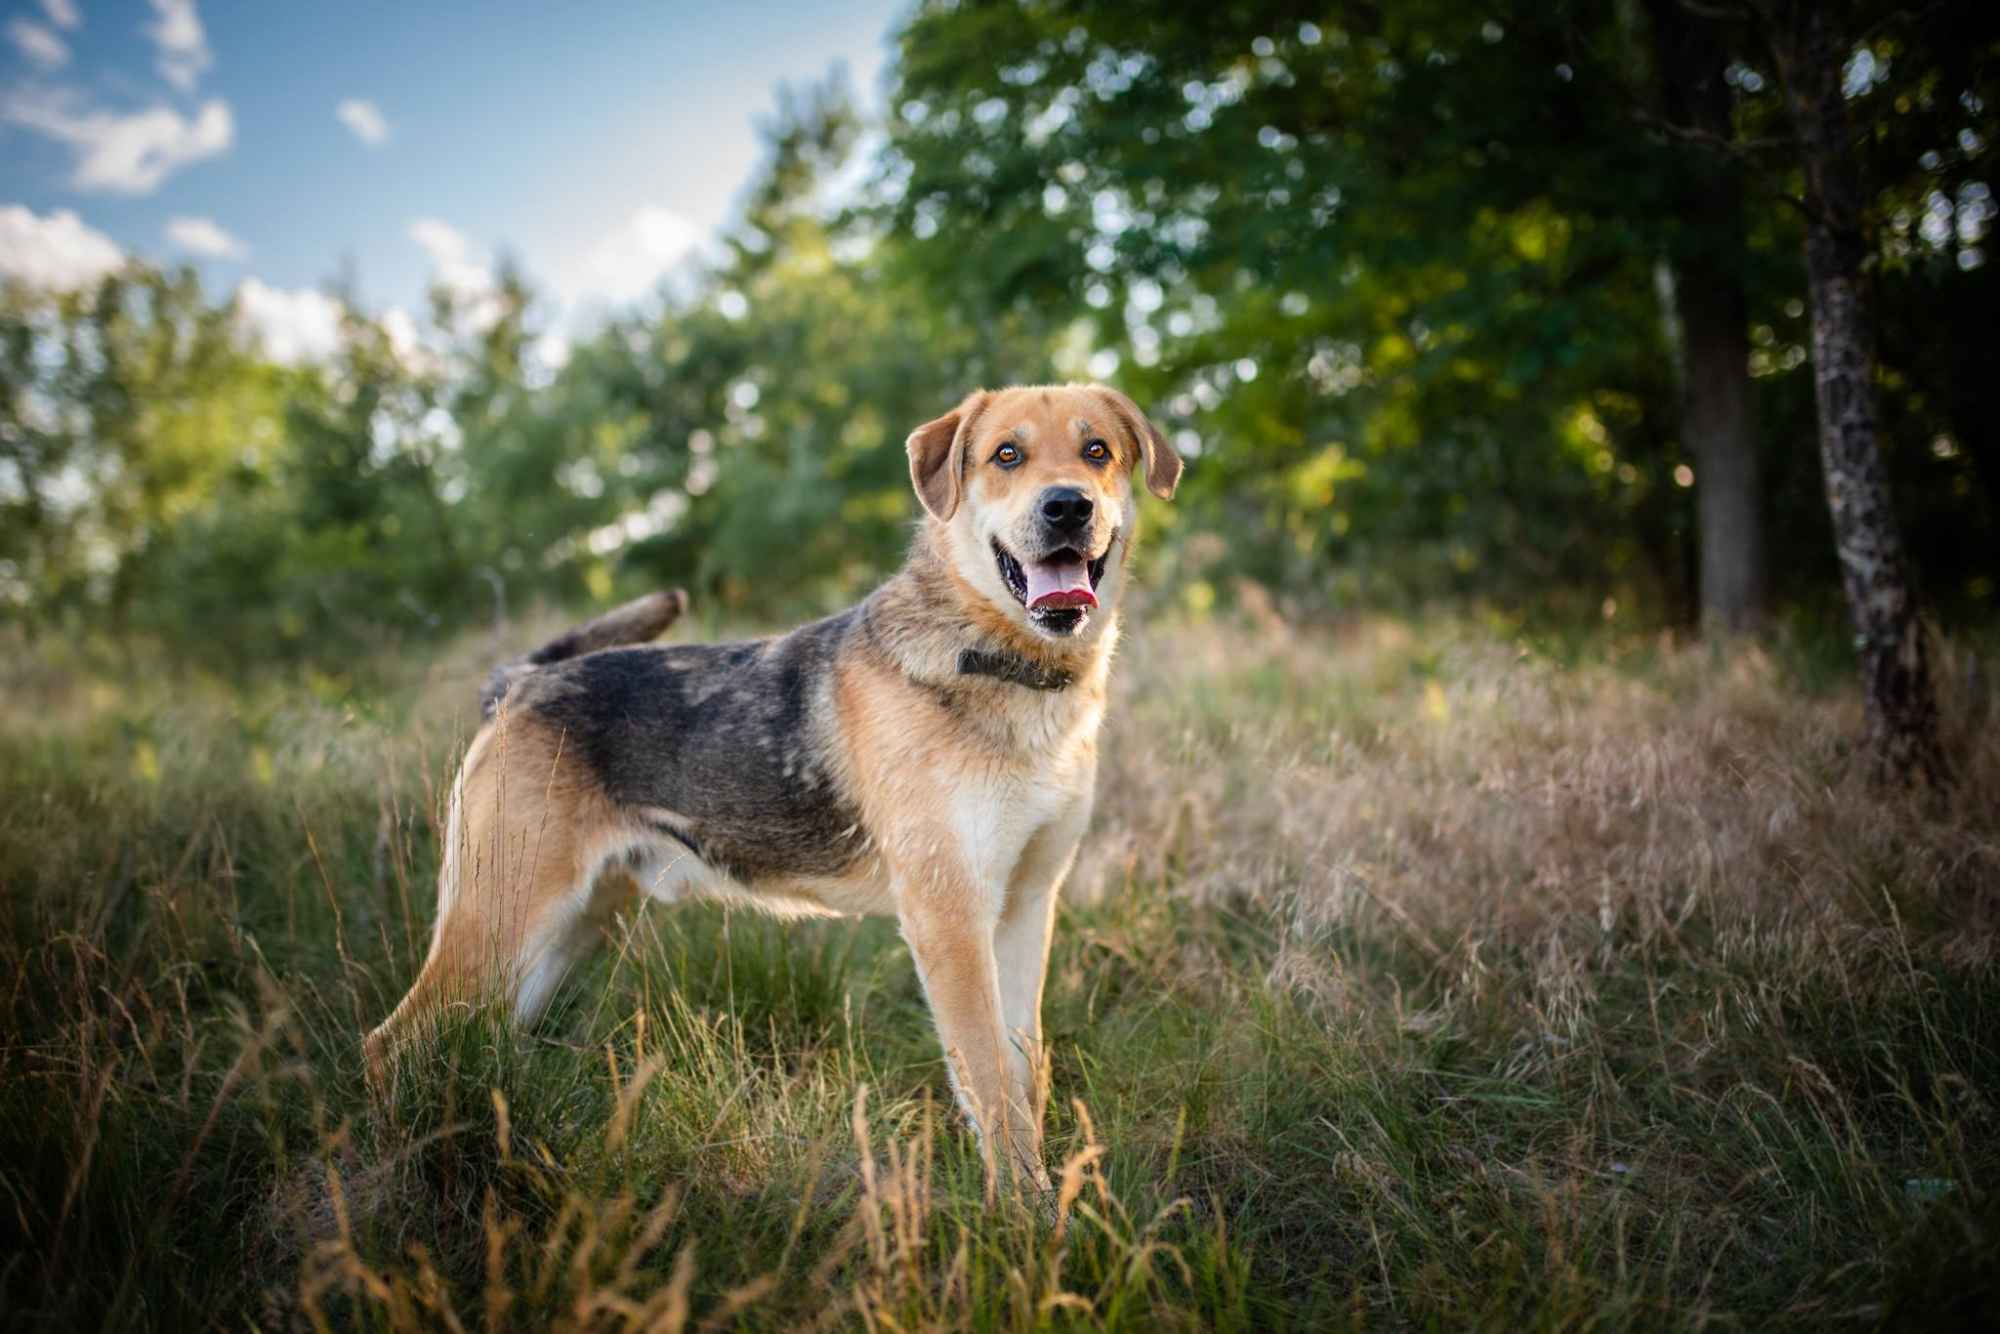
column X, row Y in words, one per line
column 1065, row 508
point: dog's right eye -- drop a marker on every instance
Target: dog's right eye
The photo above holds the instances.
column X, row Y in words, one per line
column 1007, row 456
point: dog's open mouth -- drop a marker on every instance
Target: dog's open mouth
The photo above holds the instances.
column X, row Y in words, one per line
column 1059, row 589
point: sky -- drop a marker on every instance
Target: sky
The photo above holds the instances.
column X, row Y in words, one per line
column 282, row 146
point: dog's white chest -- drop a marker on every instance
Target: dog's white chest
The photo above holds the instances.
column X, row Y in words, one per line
column 995, row 814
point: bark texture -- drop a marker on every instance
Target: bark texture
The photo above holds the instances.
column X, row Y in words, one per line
column 1718, row 414
column 1875, row 571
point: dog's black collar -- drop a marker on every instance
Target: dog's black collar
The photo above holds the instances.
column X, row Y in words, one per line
column 1014, row 669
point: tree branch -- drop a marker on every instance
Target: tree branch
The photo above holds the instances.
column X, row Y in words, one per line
column 1740, row 149
column 1722, row 13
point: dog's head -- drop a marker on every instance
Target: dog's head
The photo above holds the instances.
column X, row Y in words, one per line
column 1034, row 488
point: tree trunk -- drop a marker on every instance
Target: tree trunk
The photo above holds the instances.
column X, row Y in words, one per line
column 1718, row 421
column 1718, row 415
column 1875, row 572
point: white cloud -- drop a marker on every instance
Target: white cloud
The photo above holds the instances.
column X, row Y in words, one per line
column 130, row 153
column 455, row 263
column 38, row 43
column 204, row 237
column 629, row 261
column 58, row 253
column 458, row 266
column 62, row 13
column 363, row 117
column 404, row 339
column 451, row 255
column 183, row 43
column 553, row 349
column 294, row 327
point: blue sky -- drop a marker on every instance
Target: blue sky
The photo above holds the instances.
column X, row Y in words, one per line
column 286, row 144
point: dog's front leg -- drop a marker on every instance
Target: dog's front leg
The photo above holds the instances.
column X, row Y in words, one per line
column 948, row 920
column 1021, row 940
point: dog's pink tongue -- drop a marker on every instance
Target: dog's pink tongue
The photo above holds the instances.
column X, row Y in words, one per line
column 1059, row 583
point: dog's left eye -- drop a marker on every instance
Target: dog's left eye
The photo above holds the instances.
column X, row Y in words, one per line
column 1097, row 451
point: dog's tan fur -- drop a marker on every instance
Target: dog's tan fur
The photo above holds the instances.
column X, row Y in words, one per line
column 968, row 794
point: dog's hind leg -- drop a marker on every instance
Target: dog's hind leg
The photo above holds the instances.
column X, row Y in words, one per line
column 564, row 940
column 520, row 902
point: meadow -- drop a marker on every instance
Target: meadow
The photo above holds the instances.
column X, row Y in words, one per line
column 1416, row 974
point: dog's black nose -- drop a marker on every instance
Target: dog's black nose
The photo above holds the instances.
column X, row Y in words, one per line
column 1065, row 508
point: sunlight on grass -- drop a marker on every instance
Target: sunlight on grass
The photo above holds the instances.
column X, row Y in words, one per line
column 1411, row 975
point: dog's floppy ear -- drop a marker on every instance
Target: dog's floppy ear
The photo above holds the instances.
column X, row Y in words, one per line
column 1162, row 464
column 937, row 455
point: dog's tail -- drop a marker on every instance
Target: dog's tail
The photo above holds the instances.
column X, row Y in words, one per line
column 636, row 622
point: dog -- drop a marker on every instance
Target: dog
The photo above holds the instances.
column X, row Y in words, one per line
column 929, row 753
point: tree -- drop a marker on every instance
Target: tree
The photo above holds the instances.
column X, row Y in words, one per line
column 121, row 408
column 1705, row 250
column 1811, row 47
column 1393, row 265
column 1386, row 272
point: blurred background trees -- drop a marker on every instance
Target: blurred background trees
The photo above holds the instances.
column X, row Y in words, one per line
column 1495, row 302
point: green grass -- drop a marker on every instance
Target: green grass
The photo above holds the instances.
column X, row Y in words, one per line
column 1412, row 977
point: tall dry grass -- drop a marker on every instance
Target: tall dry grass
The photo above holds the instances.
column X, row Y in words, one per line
column 1414, row 974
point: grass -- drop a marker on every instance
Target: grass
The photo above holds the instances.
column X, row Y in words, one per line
column 1413, row 977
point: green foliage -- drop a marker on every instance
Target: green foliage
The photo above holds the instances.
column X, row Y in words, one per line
column 1390, row 276
column 125, row 408
column 1395, row 268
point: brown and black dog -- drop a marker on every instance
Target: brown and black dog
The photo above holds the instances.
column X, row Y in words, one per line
column 929, row 753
